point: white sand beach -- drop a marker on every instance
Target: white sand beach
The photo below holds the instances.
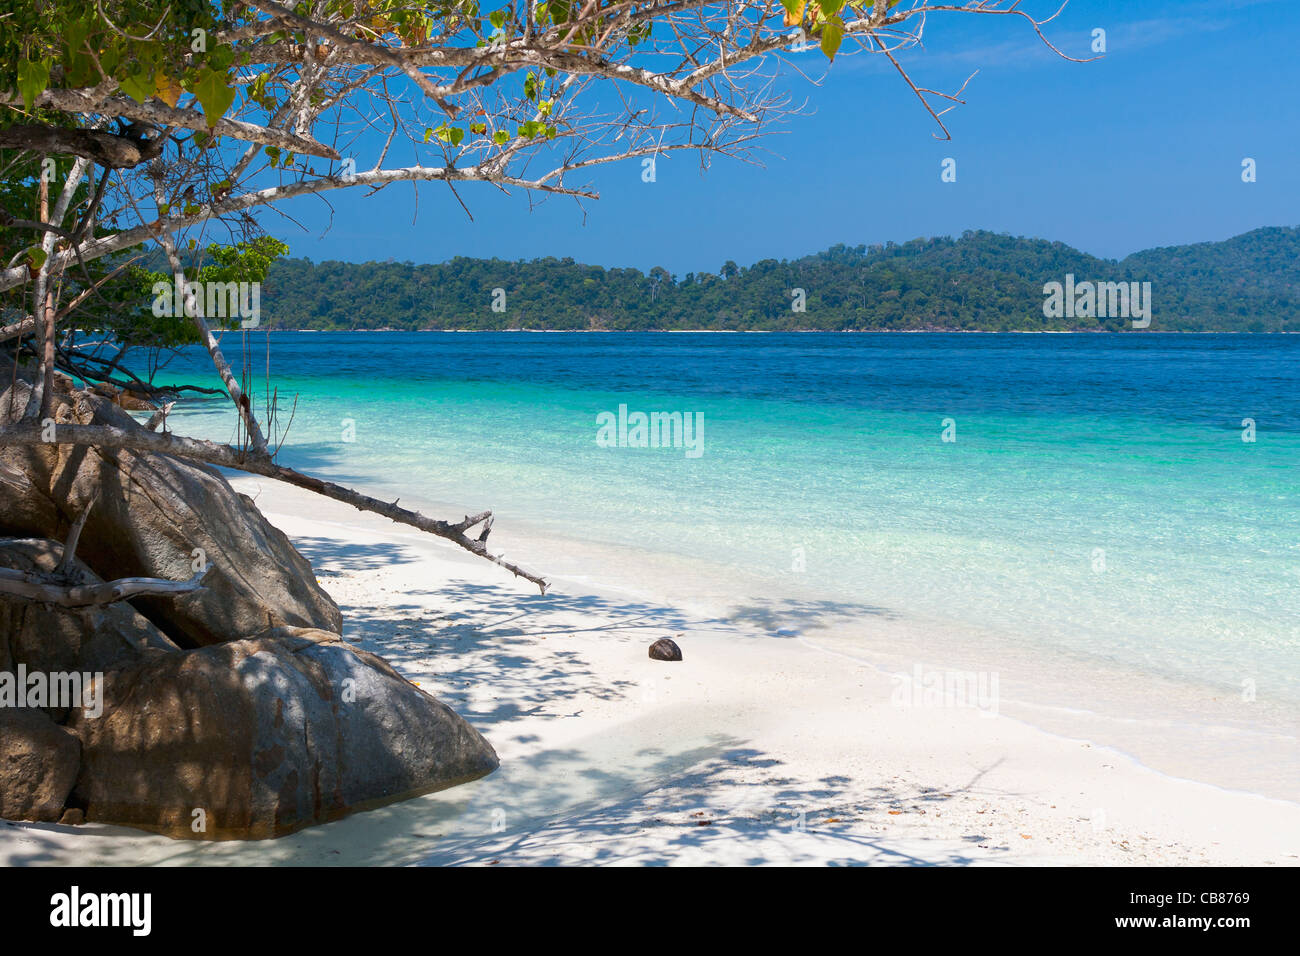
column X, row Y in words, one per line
column 755, row 749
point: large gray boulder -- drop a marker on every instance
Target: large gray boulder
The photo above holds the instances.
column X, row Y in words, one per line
column 51, row 639
column 38, row 765
column 258, row 738
column 234, row 712
column 156, row 516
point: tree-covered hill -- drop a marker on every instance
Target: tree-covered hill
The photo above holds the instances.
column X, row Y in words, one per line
column 980, row 281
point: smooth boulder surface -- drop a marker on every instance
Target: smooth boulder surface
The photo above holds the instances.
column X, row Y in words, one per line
column 50, row 639
column 156, row 516
column 257, row 738
column 38, row 765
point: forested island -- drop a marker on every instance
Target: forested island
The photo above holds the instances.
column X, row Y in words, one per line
column 981, row 281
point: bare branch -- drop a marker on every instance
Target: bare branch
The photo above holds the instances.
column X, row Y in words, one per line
column 74, row 536
column 85, row 102
column 107, row 149
column 108, row 436
column 29, row 586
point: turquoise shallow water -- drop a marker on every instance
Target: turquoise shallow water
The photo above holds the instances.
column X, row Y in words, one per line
column 1098, row 514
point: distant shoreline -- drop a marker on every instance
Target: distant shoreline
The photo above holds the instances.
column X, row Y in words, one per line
column 778, row 331
column 980, row 281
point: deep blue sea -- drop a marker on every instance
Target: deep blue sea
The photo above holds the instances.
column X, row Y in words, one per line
column 1110, row 521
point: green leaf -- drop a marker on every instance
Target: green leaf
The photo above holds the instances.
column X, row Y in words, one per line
column 75, row 34
column 530, row 85
column 33, row 78
column 214, row 95
column 139, row 87
column 221, row 57
column 36, row 257
column 832, row 37
column 79, row 70
column 108, row 60
column 257, row 91
column 500, row 137
column 830, row 7
column 446, row 134
column 497, row 18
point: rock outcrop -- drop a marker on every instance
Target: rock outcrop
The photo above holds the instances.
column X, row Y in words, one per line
column 258, row 738
column 156, row 516
column 233, row 712
column 48, row 639
column 38, row 765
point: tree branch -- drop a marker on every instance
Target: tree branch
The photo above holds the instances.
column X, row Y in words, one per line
column 109, row 436
column 31, row 587
column 107, row 149
column 74, row 536
column 85, row 102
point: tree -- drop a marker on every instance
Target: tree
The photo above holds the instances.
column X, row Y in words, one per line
column 121, row 125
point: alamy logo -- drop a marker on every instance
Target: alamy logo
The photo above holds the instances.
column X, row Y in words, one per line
column 221, row 300
column 653, row 430
column 73, row 909
column 57, row 689
column 926, row 688
column 1102, row 300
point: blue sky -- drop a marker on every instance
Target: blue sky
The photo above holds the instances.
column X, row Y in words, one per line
column 1141, row 148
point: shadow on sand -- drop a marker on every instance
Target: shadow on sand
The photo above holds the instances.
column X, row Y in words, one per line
column 601, row 799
